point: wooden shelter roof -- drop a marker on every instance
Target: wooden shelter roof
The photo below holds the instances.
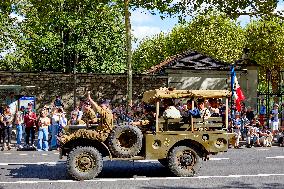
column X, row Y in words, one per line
column 189, row 60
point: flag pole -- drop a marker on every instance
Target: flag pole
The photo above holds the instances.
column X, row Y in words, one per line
column 233, row 75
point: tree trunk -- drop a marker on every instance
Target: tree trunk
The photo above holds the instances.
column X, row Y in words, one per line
column 75, row 78
column 275, row 81
column 128, row 53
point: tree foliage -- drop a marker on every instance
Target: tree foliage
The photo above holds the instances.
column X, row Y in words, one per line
column 90, row 33
column 214, row 35
column 56, row 34
column 232, row 8
column 8, row 31
column 265, row 39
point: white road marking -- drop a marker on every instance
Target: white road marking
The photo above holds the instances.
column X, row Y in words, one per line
column 137, row 179
column 56, row 153
column 147, row 161
column 275, row 157
column 23, row 154
column 7, row 153
column 37, row 163
column 262, row 149
column 44, row 154
column 218, row 159
column 155, row 161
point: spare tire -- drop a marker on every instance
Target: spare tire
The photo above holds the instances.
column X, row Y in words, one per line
column 125, row 141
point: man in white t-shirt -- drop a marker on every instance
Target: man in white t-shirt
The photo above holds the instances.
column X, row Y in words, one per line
column 274, row 118
column 171, row 111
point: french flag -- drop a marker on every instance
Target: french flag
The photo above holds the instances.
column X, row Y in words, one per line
column 237, row 93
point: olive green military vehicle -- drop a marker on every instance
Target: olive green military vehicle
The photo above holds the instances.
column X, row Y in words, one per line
column 175, row 143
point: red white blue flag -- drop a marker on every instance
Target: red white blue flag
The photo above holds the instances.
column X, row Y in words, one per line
column 238, row 94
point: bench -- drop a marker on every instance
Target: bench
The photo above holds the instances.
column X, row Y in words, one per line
column 209, row 123
column 173, row 124
column 178, row 124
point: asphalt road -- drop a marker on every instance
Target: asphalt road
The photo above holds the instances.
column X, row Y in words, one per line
column 238, row 168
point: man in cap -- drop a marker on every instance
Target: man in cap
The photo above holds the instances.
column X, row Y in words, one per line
column 106, row 119
column 89, row 115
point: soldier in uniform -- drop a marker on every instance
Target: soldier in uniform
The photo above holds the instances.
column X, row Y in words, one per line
column 89, row 115
column 149, row 121
column 106, row 119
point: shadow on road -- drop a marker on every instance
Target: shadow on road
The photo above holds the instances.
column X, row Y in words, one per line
column 237, row 185
column 115, row 169
column 45, row 171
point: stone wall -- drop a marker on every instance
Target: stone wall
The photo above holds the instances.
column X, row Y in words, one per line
column 48, row 85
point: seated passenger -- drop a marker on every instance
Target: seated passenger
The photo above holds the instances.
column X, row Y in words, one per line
column 200, row 111
column 213, row 108
column 171, row 111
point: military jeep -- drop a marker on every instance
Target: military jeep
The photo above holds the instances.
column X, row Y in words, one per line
column 177, row 144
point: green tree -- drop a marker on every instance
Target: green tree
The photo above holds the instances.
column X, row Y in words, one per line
column 57, row 34
column 8, row 33
column 184, row 8
column 265, row 39
column 214, row 35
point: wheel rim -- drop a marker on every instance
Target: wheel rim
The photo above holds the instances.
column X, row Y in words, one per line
column 84, row 162
column 127, row 139
column 186, row 159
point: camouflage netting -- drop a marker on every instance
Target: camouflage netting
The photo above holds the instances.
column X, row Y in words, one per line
column 83, row 133
column 162, row 93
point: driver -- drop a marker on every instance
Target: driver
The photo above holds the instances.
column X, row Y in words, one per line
column 105, row 121
column 148, row 122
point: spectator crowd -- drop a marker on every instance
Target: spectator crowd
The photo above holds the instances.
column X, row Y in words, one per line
column 47, row 125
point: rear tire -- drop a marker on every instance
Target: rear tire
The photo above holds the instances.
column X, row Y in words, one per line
column 184, row 161
column 84, row 163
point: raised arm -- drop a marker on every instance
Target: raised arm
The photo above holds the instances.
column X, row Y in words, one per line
column 93, row 103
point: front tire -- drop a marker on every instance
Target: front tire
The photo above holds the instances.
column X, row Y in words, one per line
column 84, row 163
column 183, row 161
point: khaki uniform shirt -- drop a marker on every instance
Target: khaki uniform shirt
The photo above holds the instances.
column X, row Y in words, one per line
column 106, row 121
column 89, row 116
